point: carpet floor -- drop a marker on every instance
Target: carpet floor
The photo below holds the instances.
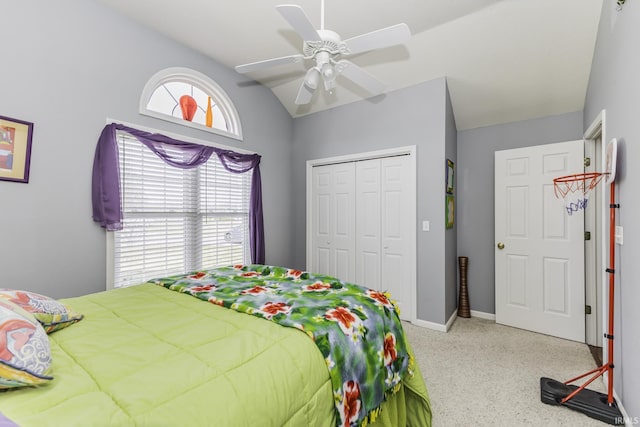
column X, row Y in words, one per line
column 484, row 374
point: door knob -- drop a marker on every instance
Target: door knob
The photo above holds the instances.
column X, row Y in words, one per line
column 500, row 245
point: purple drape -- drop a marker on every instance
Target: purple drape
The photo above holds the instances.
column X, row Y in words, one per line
column 107, row 208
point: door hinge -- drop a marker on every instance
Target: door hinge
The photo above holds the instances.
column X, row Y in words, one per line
column 587, row 162
column 587, row 309
column 587, row 235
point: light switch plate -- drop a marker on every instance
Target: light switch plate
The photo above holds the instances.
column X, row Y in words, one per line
column 619, row 235
column 425, row 225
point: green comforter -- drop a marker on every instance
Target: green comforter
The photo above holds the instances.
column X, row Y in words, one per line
column 357, row 330
column 145, row 356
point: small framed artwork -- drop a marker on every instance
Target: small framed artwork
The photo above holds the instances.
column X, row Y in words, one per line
column 450, row 177
column 15, row 149
column 449, row 210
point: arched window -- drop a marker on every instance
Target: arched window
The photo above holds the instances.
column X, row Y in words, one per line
column 189, row 98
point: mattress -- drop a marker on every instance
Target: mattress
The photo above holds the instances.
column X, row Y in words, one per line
column 148, row 356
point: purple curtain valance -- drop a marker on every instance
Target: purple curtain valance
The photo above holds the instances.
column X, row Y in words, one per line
column 107, row 208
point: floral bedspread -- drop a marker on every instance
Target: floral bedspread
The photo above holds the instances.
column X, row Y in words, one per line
column 356, row 329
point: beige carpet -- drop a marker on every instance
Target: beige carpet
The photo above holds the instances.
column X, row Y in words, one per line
column 484, row 374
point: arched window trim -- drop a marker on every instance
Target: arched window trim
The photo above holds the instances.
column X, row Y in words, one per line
column 195, row 78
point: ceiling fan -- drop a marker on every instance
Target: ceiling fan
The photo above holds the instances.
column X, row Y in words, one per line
column 328, row 49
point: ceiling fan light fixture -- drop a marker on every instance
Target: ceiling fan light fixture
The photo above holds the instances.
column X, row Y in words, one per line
column 311, row 79
column 329, row 86
column 327, row 72
column 326, row 47
column 328, row 77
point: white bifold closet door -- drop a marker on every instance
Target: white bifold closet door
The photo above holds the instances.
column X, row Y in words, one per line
column 362, row 223
column 333, row 231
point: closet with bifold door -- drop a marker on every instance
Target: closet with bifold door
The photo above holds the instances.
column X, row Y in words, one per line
column 362, row 216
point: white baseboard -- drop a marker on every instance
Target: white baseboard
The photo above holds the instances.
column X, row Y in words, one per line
column 437, row 326
column 445, row 328
column 452, row 319
column 430, row 325
column 482, row 315
column 628, row 421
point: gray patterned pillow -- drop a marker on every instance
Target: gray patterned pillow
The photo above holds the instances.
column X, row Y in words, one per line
column 25, row 355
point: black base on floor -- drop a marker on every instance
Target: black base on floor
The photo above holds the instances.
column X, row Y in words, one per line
column 587, row 401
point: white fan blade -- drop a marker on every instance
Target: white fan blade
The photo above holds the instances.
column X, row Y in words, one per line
column 384, row 37
column 360, row 77
column 308, row 86
column 259, row 65
column 296, row 17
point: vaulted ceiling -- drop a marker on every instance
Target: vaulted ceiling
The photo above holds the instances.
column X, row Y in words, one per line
column 504, row 60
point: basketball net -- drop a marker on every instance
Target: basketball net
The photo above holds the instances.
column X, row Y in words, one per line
column 574, row 189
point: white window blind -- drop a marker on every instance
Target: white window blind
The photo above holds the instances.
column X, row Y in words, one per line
column 177, row 220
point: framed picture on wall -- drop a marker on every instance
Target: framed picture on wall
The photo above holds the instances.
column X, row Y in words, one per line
column 450, row 177
column 449, row 210
column 15, row 149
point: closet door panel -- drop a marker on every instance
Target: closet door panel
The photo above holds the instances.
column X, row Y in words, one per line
column 322, row 261
column 363, row 224
column 343, row 264
column 396, row 229
column 368, row 223
column 333, row 230
column 343, row 220
column 321, row 229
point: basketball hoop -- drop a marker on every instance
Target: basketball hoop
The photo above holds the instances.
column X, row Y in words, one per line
column 575, row 188
column 578, row 182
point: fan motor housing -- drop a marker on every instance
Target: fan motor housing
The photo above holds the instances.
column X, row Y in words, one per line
column 329, row 41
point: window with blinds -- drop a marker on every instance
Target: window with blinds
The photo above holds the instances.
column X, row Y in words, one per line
column 177, row 220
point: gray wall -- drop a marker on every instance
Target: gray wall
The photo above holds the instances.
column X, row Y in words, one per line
column 614, row 86
column 414, row 116
column 67, row 66
column 78, row 63
column 451, row 241
column 476, row 149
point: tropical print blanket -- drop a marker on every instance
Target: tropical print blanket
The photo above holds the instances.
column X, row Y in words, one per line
column 356, row 329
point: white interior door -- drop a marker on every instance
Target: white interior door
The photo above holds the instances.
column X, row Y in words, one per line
column 333, row 227
column 539, row 253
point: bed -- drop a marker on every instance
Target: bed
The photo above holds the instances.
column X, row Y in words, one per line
column 173, row 353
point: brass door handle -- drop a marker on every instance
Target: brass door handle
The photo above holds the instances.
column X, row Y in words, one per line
column 500, row 245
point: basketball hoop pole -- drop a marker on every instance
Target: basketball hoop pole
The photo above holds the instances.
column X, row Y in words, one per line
column 607, row 367
column 611, row 271
column 587, row 401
